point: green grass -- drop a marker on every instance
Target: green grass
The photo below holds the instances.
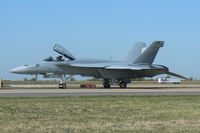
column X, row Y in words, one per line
column 101, row 114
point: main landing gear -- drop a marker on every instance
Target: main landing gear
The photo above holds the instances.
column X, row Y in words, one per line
column 122, row 83
column 106, row 83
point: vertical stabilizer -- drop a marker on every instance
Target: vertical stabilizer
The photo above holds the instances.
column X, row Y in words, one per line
column 148, row 56
column 135, row 52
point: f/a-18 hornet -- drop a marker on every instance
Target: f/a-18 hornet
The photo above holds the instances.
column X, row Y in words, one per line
column 138, row 63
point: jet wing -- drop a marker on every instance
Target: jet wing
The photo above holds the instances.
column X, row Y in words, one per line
column 176, row 75
column 106, row 66
column 99, row 65
column 127, row 67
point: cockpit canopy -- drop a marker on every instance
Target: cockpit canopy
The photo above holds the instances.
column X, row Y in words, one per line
column 63, row 52
column 59, row 49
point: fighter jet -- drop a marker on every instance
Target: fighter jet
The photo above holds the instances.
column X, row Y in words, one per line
column 138, row 63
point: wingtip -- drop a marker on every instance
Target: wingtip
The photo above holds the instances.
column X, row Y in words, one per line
column 176, row 75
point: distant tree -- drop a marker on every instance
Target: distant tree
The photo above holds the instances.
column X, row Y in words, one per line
column 190, row 79
column 33, row 79
column 168, row 77
column 72, row 79
column 138, row 79
column 25, row 79
column 94, row 79
column 149, row 79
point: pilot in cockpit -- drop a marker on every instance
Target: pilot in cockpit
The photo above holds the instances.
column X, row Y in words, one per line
column 59, row 58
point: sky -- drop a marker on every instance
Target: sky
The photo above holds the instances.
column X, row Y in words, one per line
column 99, row 29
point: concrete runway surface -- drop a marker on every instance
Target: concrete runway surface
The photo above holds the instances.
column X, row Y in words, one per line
column 137, row 89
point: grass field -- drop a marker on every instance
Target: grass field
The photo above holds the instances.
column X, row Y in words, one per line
column 101, row 114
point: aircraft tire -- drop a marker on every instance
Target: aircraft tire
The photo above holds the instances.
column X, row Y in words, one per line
column 62, row 86
column 123, row 84
column 106, row 83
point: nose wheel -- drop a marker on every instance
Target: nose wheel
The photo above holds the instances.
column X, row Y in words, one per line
column 62, row 84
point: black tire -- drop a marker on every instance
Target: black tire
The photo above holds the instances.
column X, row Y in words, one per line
column 106, row 83
column 123, row 84
column 62, row 86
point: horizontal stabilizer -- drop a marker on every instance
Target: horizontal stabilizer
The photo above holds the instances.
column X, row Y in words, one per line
column 148, row 56
column 176, row 75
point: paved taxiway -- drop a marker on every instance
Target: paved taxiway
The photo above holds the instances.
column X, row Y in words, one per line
column 193, row 89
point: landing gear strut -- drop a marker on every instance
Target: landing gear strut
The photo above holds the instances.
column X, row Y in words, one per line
column 106, row 83
column 63, row 78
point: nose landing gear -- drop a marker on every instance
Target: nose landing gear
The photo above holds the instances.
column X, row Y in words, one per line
column 62, row 84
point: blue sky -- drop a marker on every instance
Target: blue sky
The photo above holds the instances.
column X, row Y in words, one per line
column 99, row 29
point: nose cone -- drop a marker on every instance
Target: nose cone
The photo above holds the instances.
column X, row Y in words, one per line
column 19, row 70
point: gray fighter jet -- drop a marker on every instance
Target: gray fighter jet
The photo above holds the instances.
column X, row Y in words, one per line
column 137, row 64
